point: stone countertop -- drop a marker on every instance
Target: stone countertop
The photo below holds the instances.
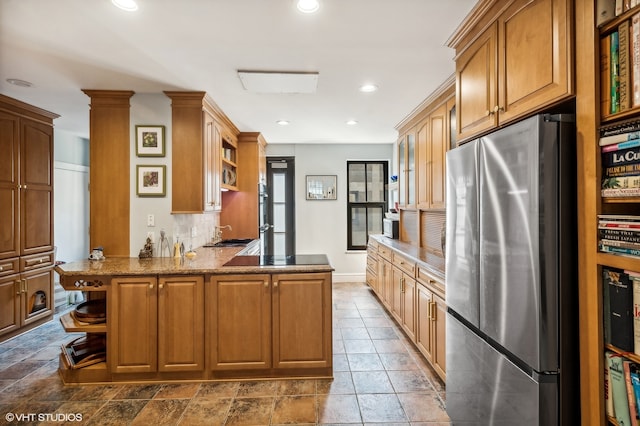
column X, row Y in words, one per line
column 432, row 263
column 208, row 260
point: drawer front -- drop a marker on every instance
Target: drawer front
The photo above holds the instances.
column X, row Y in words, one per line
column 430, row 281
column 372, row 245
column 36, row 261
column 405, row 264
column 9, row 266
column 372, row 263
column 384, row 251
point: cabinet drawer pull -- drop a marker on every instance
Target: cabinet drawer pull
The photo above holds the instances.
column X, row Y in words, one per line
column 18, row 287
column 24, row 286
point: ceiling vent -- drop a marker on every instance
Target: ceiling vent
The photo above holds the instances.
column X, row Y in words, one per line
column 279, row 81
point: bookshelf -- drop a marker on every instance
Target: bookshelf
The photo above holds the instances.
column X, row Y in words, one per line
column 593, row 113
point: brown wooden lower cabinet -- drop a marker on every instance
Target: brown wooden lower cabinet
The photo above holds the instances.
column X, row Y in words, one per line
column 205, row 327
column 26, row 299
column 156, row 324
column 430, row 334
column 262, row 321
column 414, row 297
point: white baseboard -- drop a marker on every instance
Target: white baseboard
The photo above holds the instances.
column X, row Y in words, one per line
column 348, row 278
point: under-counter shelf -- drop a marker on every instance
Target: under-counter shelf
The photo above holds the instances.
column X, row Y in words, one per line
column 619, row 261
column 71, row 324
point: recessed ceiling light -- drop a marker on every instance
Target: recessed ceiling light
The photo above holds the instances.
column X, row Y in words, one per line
column 352, row 122
column 283, row 122
column 308, row 6
column 368, row 88
column 18, row 82
column 128, row 5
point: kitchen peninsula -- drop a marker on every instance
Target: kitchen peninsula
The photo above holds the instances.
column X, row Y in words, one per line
column 201, row 318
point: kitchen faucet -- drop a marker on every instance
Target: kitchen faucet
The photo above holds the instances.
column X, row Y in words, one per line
column 217, row 237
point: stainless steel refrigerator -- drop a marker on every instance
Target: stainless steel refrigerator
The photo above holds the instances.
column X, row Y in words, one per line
column 511, row 279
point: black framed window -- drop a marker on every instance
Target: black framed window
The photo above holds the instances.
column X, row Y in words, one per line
column 367, row 202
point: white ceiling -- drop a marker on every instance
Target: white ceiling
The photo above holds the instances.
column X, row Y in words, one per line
column 63, row 46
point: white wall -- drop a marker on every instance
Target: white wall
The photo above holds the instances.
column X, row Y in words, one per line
column 321, row 226
column 155, row 109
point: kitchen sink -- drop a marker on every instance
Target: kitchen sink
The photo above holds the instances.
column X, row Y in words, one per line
column 233, row 242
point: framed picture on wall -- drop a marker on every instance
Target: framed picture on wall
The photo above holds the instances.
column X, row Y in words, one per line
column 151, row 181
column 150, row 141
column 322, row 187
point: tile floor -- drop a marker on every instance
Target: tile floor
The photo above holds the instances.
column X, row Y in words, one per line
column 379, row 378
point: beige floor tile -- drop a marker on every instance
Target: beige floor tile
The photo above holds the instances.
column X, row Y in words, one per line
column 338, row 409
column 177, row 391
column 381, row 408
column 161, row 412
column 250, row 411
column 423, row 407
column 290, row 409
column 206, row 411
column 342, row 383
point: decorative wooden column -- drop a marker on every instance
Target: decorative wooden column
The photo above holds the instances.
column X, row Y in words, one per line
column 109, row 186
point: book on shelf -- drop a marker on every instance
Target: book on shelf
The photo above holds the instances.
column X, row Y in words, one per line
column 621, row 157
column 621, row 235
column 627, row 365
column 635, row 283
column 606, row 10
column 614, row 73
column 605, row 76
column 635, row 382
column 623, row 126
column 621, row 244
column 619, row 218
column 618, row 138
column 621, row 170
column 618, row 388
column 634, row 35
column 619, row 250
column 608, row 395
column 628, row 143
column 624, row 61
column 632, row 181
column 621, row 192
column 620, row 307
column 618, row 224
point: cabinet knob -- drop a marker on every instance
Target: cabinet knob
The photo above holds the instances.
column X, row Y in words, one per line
column 498, row 109
column 1, row 268
column 160, row 285
column 275, row 283
column 488, row 113
column 266, row 284
column 151, row 286
column 24, row 186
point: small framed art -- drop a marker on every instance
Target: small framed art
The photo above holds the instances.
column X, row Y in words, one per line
column 150, row 141
column 321, row 187
column 151, row 181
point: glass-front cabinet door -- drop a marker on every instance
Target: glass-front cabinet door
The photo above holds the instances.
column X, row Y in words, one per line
column 407, row 170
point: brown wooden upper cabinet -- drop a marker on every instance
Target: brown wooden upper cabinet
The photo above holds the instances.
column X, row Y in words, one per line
column 512, row 58
column 407, row 169
column 204, row 159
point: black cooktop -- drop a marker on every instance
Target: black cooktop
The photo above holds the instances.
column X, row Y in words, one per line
column 269, row 260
